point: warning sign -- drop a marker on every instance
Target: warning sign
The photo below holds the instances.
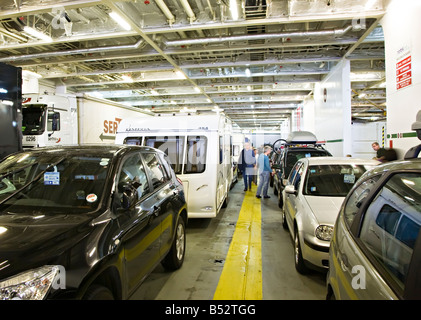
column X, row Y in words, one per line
column 404, row 73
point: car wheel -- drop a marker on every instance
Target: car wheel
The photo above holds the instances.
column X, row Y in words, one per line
column 98, row 292
column 330, row 295
column 225, row 203
column 280, row 200
column 175, row 257
column 284, row 220
column 298, row 257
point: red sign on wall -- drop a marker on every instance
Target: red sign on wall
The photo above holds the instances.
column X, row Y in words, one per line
column 404, row 73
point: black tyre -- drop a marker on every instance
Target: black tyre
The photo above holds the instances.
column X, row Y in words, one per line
column 284, row 220
column 98, row 292
column 298, row 257
column 175, row 257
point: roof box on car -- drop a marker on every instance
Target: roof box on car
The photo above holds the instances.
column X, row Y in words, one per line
column 301, row 137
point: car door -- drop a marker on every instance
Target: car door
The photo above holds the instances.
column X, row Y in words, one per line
column 344, row 249
column 291, row 199
column 164, row 210
column 139, row 229
column 389, row 230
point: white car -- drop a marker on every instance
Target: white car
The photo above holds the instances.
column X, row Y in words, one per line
column 312, row 198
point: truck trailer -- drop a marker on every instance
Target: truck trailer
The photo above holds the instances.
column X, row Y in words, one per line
column 69, row 119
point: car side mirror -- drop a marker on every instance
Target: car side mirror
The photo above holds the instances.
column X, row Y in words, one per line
column 290, row 189
column 129, row 196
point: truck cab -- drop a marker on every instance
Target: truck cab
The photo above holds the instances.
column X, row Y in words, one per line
column 48, row 120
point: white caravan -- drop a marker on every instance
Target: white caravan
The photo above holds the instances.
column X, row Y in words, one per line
column 199, row 147
column 49, row 120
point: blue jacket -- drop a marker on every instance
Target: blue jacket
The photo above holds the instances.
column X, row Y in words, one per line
column 264, row 164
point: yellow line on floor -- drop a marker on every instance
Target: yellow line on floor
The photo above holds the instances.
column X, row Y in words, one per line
column 241, row 277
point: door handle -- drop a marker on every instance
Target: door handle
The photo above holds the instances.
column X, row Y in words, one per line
column 343, row 259
column 156, row 210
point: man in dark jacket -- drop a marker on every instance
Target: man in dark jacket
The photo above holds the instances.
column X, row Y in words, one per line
column 246, row 164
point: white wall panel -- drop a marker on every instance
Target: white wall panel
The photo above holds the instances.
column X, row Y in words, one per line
column 402, row 31
column 332, row 113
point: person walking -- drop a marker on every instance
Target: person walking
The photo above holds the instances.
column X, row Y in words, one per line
column 246, row 164
column 264, row 173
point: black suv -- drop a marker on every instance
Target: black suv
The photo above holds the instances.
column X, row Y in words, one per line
column 300, row 144
column 87, row 222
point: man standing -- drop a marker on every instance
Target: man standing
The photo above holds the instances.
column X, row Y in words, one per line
column 264, row 173
column 246, row 164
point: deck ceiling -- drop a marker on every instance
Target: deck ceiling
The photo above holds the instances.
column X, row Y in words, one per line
column 255, row 59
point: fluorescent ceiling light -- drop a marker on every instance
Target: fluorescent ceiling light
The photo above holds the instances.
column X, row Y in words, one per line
column 123, row 23
column 127, row 78
column 185, row 109
column 234, row 9
column 180, row 75
column 7, row 102
column 31, row 74
column 37, row 34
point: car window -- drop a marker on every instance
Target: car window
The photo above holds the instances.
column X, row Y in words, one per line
column 156, row 170
column 297, row 179
column 392, row 222
column 133, row 173
column 334, row 180
column 294, row 155
column 74, row 185
column 167, row 166
column 293, row 173
column 357, row 197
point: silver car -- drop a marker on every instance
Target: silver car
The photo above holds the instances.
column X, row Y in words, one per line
column 316, row 188
column 375, row 252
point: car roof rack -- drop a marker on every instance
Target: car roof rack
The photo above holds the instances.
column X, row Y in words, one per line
column 301, row 137
column 415, row 151
column 298, row 139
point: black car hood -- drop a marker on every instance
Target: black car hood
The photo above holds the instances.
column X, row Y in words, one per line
column 28, row 241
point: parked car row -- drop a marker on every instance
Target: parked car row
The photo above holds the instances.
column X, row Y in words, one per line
column 87, row 222
column 359, row 220
column 299, row 144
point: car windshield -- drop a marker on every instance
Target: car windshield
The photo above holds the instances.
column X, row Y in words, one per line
column 52, row 183
column 294, row 155
column 334, row 180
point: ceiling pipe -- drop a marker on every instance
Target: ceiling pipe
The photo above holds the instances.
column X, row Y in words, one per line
column 161, row 4
column 188, row 9
column 71, row 52
column 267, row 36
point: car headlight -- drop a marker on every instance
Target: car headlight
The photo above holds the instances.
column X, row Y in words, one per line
column 324, row 232
column 29, row 285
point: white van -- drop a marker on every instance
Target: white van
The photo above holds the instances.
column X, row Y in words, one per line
column 199, row 147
